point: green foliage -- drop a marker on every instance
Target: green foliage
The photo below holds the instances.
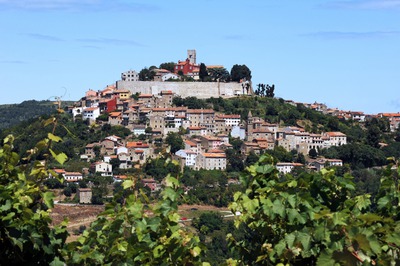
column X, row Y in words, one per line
column 190, row 102
column 146, row 74
column 208, row 222
column 219, row 74
column 314, row 219
column 280, row 154
column 239, row 72
column 170, row 66
column 174, row 140
column 159, row 168
column 138, row 233
column 208, row 187
column 203, row 73
column 265, row 90
column 67, row 191
column 234, row 160
column 26, row 236
column 103, row 117
column 12, row 114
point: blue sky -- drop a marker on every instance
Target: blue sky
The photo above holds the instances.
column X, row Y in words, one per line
column 341, row 53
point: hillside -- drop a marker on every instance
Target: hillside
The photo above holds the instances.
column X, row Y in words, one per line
column 13, row 114
column 363, row 156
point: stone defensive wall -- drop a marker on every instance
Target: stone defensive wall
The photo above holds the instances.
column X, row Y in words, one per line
column 201, row 90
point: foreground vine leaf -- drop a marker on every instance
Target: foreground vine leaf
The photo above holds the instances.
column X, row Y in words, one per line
column 314, row 219
column 136, row 233
column 26, row 236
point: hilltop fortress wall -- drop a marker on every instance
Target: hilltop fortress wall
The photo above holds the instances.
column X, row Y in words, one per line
column 200, row 90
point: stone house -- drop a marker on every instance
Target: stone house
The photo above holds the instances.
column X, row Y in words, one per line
column 115, row 119
column 211, row 161
column 336, row 138
column 198, row 117
column 84, row 195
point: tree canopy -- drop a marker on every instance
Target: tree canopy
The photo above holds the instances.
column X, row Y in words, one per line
column 239, row 72
column 170, row 66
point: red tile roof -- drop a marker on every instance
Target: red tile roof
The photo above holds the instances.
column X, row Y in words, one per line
column 214, row 155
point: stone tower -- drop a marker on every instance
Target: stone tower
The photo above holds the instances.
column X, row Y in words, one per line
column 191, row 55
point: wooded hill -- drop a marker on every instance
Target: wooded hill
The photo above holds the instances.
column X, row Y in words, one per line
column 13, row 114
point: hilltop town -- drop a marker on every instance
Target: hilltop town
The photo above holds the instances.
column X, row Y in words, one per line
column 126, row 143
column 205, row 134
column 152, row 114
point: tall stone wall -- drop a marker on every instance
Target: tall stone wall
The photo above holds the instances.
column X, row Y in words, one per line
column 200, row 90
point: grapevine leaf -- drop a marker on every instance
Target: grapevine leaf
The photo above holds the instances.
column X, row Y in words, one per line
column 60, row 158
column 54, row 137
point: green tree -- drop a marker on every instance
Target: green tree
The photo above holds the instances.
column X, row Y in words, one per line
column 175, row 141
column 170, row 66
column 239, row 72
column 203, row 73
column 219, row 74
column 67, row 191
column 208, row 222
column 146, row 74
column 234, row 161
column 313, row 153
column 373, row 136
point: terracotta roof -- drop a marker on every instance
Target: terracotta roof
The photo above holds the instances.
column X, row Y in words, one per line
column 90, row 109
column 199, row 111
column 223, row 116
column 196, row 128
column 215, row 66
column 335, row 134
column 289, row 164
column 390, row 114
column 73, row 173
column 214, row 155
column 190, row 143
column 59, row 171
column 215, row 151
column 176, row 109
column 250, row 144
column 136, row 144
column 91, row 145
column 121, row 176
column 122, row 91
column 145, row 95
column 210, row 138
column 114, row 114
column 260, row 139
column 84, row 189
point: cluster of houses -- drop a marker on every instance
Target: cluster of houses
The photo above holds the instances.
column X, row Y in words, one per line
column 205, row 132
column 393, row 118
